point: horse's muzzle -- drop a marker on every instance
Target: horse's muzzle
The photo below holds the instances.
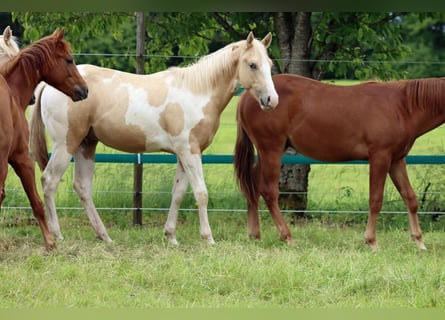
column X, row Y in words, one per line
column 80, row 93
column 269, row 103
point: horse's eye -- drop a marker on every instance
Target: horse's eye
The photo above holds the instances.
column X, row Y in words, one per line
column 69, row 61
column 252, row 65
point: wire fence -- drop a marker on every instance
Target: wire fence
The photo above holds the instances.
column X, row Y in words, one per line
column 334, row 189
column 134, row 55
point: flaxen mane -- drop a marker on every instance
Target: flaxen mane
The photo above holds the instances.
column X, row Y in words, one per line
column 202, row 76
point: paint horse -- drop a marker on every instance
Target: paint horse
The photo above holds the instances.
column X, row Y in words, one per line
column 176, row 110
column 8, row 46
column 49, row 60
column 374, row 121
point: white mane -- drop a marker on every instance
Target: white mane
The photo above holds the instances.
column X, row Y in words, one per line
column 202, row 76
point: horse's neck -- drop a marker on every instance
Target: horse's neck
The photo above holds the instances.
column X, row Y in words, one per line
column 429, row 110
column 218, row 80
column 429, row 121
column 21, row 85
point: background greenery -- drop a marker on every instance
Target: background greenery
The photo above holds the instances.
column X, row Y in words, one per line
column 351, row 45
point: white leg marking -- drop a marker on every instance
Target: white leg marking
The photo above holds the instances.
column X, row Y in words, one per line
column 193, row 167
column 179, row 189
column 83, row 180
column 50, row 179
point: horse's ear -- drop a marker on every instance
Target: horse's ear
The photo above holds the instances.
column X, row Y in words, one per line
column 250, row 38
column 7, row 34
column 59, row 34
column 267, row 40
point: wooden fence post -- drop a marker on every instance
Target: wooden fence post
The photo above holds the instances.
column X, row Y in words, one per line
column 138, row 167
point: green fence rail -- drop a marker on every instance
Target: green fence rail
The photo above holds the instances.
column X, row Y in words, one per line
column 228, row 159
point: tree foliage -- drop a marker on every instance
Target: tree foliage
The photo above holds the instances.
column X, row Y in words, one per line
column 353, row 45
column 424, row 34
column 356, row 45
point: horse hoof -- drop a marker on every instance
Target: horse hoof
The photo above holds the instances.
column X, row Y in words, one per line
column 291, row 242
column 170, row 236
column 255, row 236
column 209, row 239
column 421, row 245
column 50, row 247
column 172, row 240
column 373, row 246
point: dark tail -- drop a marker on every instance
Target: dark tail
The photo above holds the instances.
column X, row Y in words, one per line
column 37, row 141
column 245, row 169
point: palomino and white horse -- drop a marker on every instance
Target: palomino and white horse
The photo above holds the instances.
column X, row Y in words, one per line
column 176, row 111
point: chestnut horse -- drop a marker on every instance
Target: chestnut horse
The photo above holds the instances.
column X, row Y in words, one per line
column 374, row 121
column 176, row 111
column 8, row 46
column 49, row 60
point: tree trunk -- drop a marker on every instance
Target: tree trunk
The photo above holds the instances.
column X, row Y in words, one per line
column 294, row 34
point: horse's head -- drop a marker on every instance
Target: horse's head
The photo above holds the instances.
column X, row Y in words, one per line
column 62, row 72
column 254, row 71
column 8, row 46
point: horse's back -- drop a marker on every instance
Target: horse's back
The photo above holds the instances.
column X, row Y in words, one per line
column 125, row 111
column 327, row 122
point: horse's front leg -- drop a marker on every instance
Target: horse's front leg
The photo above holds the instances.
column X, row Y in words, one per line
column 192, row 164
column 83, row 184
column 179, row 189
column 378, row 169
column 50, row 179
column 24, row 167
column 399, row 176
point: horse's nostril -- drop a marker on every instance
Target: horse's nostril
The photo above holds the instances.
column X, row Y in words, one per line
column 81, row 93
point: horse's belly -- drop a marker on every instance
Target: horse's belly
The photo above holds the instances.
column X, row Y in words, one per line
column 331, row 148
column 129, row 141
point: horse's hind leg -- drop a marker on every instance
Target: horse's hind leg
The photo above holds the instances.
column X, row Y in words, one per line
column 3, row 174
column 179, row 189
column 83, row 179
column 269, row 177
column 400, row 178
column 24, row 167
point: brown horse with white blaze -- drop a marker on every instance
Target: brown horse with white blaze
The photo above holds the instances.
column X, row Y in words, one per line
column 49, row 60
column 374, row 121
column 176, row 110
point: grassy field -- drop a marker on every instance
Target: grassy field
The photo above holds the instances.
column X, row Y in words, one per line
column 329, row 267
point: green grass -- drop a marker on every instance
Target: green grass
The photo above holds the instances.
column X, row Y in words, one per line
column 330, row 267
